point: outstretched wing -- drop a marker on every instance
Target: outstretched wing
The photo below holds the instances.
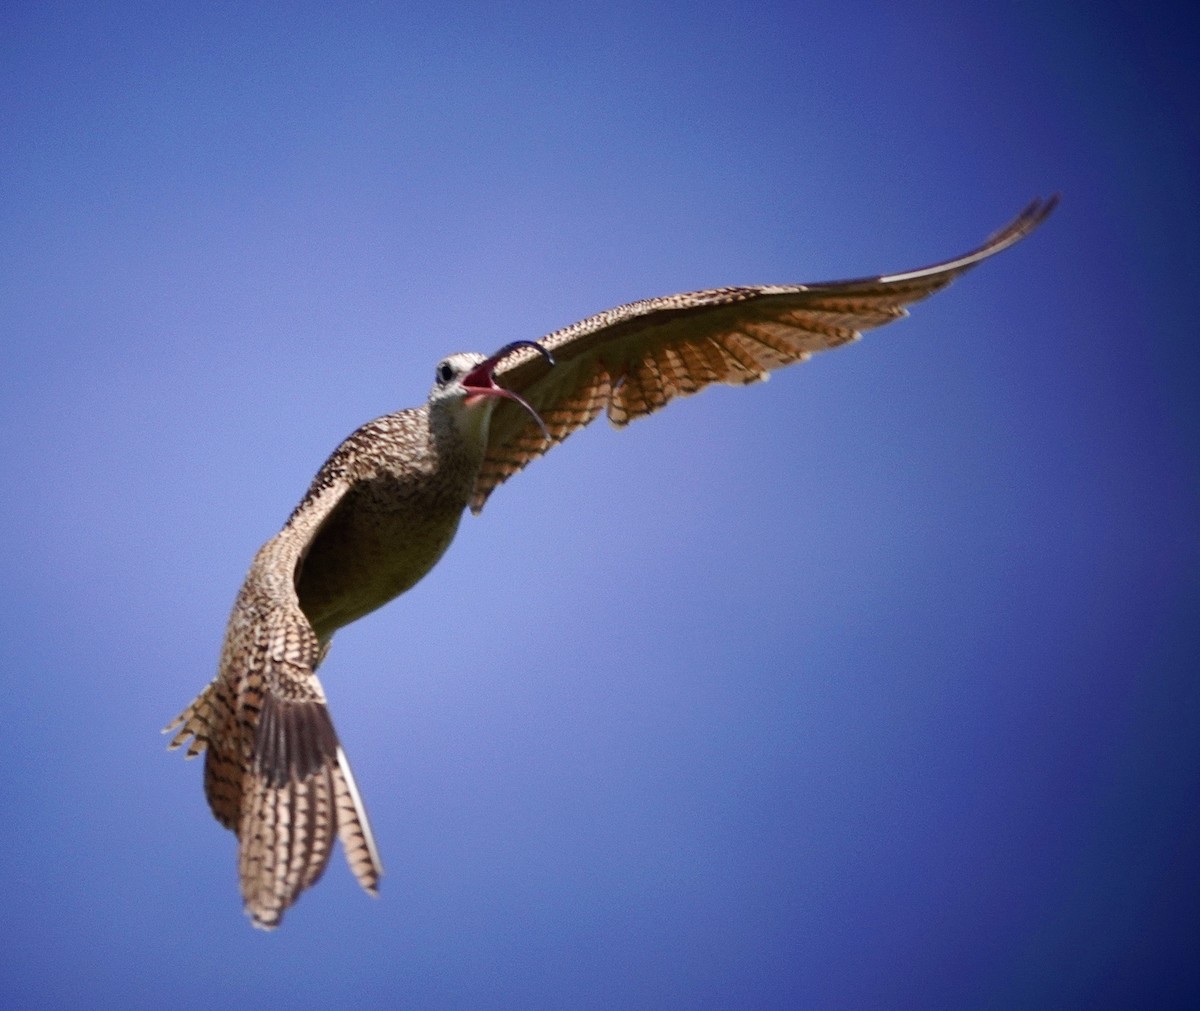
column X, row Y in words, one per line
column 634, row 359
column 275, row 772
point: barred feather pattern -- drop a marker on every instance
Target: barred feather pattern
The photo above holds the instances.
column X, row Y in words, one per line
column 275, row 772
column 385, row 506
column 300, row 794
column 633, row 360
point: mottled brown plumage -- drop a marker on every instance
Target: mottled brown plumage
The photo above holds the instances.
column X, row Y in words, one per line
column 385, row 506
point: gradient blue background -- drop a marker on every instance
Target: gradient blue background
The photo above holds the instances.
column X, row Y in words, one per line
column 874, row 685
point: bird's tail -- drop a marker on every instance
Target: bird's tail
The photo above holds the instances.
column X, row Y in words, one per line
column 276, row 775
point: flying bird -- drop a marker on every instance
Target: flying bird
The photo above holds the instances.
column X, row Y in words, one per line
column 385, row 506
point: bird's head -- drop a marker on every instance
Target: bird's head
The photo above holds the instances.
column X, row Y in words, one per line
column 465, row 385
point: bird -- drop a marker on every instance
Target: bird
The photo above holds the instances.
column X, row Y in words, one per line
column 386, row 504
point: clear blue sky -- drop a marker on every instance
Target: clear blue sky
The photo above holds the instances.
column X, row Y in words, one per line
column 874, row 685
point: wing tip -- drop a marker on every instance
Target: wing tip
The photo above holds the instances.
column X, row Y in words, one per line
column 1031, row 216
column 369, row 870
column 266, row 926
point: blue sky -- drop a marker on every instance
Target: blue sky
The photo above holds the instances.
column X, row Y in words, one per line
column 873, row 685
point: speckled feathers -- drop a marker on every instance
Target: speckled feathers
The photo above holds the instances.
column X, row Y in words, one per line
column 385, row 507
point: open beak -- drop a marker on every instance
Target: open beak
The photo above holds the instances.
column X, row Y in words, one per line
column 481, row 380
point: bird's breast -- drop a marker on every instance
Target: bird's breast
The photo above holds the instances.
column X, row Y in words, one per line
column 382, row 538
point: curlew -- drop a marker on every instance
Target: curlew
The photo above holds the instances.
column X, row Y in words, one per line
column 385, row 506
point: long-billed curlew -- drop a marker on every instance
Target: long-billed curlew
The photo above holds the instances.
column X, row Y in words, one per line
column 385, row 506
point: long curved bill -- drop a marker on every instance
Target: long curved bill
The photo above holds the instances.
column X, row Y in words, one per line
column 481, row 380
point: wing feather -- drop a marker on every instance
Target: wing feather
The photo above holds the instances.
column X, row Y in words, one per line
column 275, row 772
column 636, row 358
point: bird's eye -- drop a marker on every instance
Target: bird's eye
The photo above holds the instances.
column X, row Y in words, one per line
column 445, row 372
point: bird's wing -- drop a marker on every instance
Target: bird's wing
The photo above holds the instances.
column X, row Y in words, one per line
column 275, row 772
column 634, row 359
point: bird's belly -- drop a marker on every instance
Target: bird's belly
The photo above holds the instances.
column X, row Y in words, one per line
column 365, row 556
